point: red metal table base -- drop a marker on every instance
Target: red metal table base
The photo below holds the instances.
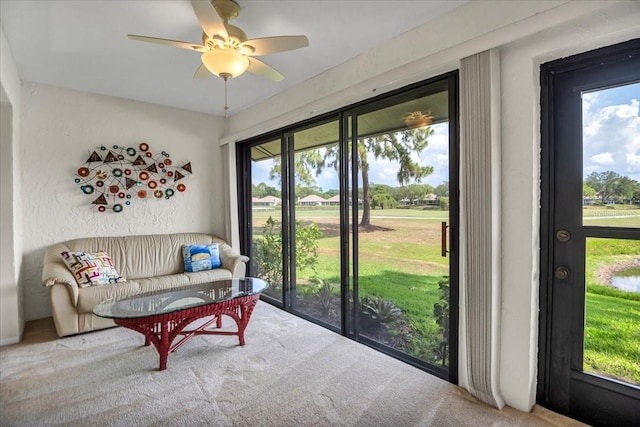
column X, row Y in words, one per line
column 162, row 330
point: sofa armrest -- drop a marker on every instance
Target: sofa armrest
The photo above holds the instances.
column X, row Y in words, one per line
column 54, row 273
column 235, row 264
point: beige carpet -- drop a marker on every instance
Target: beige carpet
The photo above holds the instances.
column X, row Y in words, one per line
column 290, row 373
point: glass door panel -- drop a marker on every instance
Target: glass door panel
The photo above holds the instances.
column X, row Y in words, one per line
column 611, row 157
column 611, row 208
column 403, row 210
column 316, row 196
column 266, row 217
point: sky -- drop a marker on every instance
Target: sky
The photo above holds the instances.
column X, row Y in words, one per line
column 611, row 142
column 611, row 131
column 382, row 171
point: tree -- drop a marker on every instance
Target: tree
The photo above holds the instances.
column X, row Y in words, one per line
column 625, row 188
column 588, row 192
column 611, row 186
column 383, row 200
column 442, row 190
column 381, row 197
column 400, row 193
column 304, row 191
column 330, row 193
column 262, row 190
column 304, row 167
column 604, row 183
column 418, row 192
column 443, row 202
column 397, row 146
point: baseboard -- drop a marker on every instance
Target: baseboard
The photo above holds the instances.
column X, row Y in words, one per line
column 9, row 341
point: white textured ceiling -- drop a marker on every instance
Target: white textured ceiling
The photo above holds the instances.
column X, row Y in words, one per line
column 82, row 44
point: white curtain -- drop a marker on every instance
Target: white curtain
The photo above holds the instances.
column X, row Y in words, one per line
column 480, row 228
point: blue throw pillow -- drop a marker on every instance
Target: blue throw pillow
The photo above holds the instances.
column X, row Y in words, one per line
column 201, row 257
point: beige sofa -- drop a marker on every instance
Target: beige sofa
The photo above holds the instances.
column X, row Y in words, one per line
column 148, row 263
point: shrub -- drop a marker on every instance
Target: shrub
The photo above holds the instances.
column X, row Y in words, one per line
column 267, row 252
column 441, row 313
column 325, row 294
column 379, row 310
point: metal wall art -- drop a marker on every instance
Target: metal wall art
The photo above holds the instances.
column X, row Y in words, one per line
column 117, row 175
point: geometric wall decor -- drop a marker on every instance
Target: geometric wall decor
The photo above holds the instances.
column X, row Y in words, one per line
column 116, row 176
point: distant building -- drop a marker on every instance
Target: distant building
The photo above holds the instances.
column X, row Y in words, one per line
column 270, row 201
column 312, row 200
column 430, row 200
column 333, row 201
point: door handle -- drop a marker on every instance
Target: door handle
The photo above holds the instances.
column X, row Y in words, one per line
column 443, row 243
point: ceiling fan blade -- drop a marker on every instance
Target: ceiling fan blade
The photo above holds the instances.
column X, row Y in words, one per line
column 167, row 42
column 263, row 70
column 209, row 19
column 269, row 45
column 202, row 72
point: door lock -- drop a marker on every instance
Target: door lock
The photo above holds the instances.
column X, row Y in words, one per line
column 563, row 236
column 561, row 272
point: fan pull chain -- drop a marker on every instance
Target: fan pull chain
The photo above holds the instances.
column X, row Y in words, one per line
column 226, row 107
column 225, row 76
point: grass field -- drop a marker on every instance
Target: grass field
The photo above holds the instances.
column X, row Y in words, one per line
column 612, row 316
column 400, row 260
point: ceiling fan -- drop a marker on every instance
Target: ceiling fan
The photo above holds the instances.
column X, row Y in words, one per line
column 225, row 50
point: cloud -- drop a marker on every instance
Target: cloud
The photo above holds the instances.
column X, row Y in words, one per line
column 603, row 159
column 629, row 111
column 633, row 159
column 611, row 131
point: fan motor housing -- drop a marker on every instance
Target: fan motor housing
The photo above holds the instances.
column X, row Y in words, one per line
column 227, row 9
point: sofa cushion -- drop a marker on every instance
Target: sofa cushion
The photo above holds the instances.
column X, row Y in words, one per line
column 160, row 283
column 200, row 257
column 209, row 276
column 91, row 269
column 91, row 296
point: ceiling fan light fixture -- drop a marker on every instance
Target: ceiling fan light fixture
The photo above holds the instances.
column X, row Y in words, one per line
column 246, row 49
column 227, row 62
column 417, row 119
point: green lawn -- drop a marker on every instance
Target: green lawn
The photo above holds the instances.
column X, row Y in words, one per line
column 612, row 215
column 612, row 337
column 400, row 260
column 612, row 316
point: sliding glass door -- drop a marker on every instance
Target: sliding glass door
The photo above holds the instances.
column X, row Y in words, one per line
column 352, row 219
column 264, row 224
column 315, row 196
column 402, row 178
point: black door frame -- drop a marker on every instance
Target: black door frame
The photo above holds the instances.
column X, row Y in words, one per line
column 557, row 369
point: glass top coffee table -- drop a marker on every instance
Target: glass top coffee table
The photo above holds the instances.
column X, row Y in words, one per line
column 163, row 315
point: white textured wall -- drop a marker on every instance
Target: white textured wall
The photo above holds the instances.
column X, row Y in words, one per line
column 60, row 126
column 11, row 319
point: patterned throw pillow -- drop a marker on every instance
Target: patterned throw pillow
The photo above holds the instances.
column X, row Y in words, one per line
column 92, row 269
column 201, row 257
